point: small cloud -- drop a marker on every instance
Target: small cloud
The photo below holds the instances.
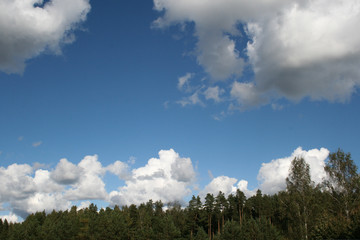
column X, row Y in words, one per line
column 37, row 165
column 214, row 93
column 132, row 160
column 184, row 82
column 220, row 116
column 191, row 100
column 276, row 107
column 37, row 144
column 166, row 104
column 211, row 176
column 20, row 138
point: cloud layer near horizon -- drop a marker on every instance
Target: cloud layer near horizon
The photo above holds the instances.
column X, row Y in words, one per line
column 296, row 48
column 29, row 28
column 25, row 189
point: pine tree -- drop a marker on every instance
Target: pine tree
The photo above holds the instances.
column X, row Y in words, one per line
column 240, row 200
column 209, row 208
column 193, row 215
column 220, row 206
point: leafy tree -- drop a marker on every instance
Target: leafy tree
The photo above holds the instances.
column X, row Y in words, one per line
column 343, row 183
column 300, row 186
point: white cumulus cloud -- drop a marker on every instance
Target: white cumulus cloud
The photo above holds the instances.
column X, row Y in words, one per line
column 167, row 178
column 243, row 186
column 90, row 179
column 66, row 172
column 222, row 183
column 26, row 191
column 272, row 175
column 16, row 182
column 29, row 28
column 120, row 169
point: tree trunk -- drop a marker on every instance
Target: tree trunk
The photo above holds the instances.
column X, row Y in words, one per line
column 305, row 223
column 209, row 228
column 219, row 226
column 223, row 223
column 240, row 214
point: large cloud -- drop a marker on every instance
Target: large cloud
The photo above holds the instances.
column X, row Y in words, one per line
column 167, row 178
column 295, row 48
column 308, row 50
column 29, row 28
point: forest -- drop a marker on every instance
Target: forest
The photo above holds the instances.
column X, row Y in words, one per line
column 330, row 210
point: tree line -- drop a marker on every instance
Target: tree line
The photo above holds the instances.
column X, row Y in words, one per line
column 303, row 211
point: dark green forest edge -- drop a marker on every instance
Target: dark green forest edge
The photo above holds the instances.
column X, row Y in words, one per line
column 330, row 210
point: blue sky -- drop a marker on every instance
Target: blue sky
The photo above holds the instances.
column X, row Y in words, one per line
column 110, row 86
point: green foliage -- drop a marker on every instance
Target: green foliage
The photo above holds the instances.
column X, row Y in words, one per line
column 232, row 230
column 343, row 183
column 201, row 234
